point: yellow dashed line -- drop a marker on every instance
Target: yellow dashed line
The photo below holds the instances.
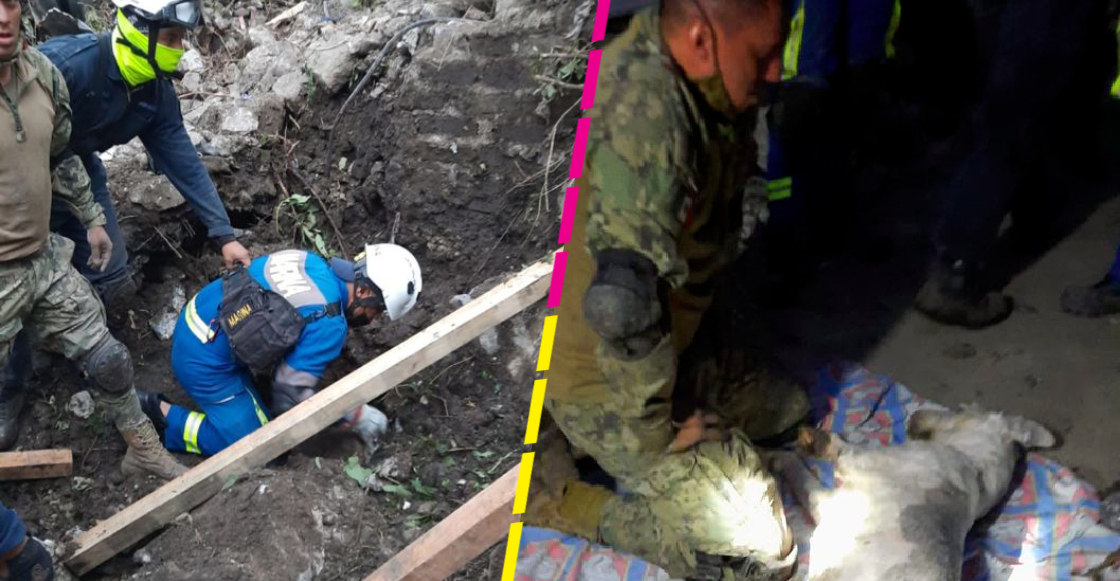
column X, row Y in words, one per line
column 535, row 406
column 545, row 356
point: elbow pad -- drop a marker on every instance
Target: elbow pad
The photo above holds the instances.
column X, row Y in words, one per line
column 622, row 304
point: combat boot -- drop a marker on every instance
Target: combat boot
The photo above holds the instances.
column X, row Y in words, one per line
column 11, row 404
column 954, row 295
column 146, row 454
column 1098, row 300
column 150, row 404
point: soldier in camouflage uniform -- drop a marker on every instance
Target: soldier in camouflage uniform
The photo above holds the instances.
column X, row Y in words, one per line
column 659, row 215
column 39, row 287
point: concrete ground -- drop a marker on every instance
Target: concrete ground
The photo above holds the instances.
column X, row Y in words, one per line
column 1040, row 363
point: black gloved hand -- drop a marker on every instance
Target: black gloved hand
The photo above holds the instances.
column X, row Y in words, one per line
column 33, row 563
column 286, row 396
column 622, row 304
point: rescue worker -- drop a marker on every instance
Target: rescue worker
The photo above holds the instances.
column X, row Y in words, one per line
column 1014, row 122
column 122, row 81
column 326, row 299
column 660, row 207
column 1097, row 300
column 832, row 69
column 39, row 288
column 22, row 557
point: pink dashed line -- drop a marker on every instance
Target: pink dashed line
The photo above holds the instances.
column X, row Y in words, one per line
column 571, row 197
column 592, row 79
column 601, row 20
column 557, row 286
column 582, row 127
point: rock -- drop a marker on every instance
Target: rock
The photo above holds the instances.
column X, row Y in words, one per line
column 264, row 64
column 225, row 145
column 332, row 57
column 163, row 324
column 192, row 82
column 489, row 342
column 158, row 195
column 81, row 404
column 239, row 120
column 289, row 87
column 269, row 110
column 460, row 300
column 191, row 62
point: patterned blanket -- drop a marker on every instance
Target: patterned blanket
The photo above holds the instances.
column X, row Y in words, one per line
column 1047, row 531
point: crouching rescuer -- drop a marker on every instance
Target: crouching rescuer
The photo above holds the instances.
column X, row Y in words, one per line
column 39, row 288
column 288, row 313
column 659, row 216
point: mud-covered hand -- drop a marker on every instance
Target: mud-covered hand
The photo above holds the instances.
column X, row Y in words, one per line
column 286, row 396
column 234, row 253
column 700, row 427
column 100, row 248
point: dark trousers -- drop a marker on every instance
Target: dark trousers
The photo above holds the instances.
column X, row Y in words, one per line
column 1035, row 52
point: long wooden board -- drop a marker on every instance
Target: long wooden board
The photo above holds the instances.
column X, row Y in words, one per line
column 474, row 527
column 36, row 464
column 155, row 510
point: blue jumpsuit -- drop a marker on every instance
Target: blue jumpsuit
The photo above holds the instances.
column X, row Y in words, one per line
column 205, row 366
column 12, row 530
column 825, row 35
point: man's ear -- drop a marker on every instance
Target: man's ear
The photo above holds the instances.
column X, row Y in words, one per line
column 701, row 43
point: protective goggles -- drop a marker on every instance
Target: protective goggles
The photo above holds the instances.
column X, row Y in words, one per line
column 186, row 13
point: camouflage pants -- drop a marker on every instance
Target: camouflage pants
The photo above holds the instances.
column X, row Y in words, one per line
column 56, row 304
column 670, row 511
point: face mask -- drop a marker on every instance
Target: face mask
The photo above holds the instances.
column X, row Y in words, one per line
column 715, row 93
column 136, row 69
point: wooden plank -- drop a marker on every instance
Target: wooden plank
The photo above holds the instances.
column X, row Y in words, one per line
column 155, row 510
column 465, row 534
column 36, row 464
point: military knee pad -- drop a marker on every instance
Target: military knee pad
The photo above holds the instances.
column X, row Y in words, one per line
column 109, row 366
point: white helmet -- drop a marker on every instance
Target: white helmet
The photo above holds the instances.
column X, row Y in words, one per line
column 186, row 13
column 396, row 273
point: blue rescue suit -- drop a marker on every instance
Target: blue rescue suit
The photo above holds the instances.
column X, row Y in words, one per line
column 207, row 369
column 107, row 113
column 12, row 530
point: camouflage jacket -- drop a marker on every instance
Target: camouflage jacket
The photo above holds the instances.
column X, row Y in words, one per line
column 34, row 132
column 664, row 175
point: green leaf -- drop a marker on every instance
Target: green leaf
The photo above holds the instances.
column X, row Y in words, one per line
column 482, row 454
column 449, row 461
column 300, row 199
column 549, row 92
column 421, row 489
column 397, row 489
column 567, row 70
column 356, row 471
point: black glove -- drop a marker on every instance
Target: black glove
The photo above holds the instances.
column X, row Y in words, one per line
column 622, row 304
column 33, row 563
column 286, row 396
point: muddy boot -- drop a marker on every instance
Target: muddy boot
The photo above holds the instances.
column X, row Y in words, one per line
column 11, row 404
column 953, row 295
column 146, row 454
column 1098, row 300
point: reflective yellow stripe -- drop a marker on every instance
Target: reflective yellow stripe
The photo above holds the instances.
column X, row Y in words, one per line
column 197, row 326
column 893, row 28
column 260, row 413
column 190, row 432
column 793, row 44
column 1115, row 90
column 780, row 189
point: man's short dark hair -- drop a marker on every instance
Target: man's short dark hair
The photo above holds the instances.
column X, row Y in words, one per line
column 678, row 12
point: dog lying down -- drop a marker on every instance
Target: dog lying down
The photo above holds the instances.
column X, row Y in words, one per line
column 901, row 513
